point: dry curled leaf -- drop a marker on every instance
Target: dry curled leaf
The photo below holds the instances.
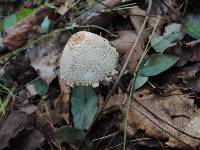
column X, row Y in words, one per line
column 172, row 109
column 18, row 35
column 15, row 123
column 124, row 44
column 63, row 104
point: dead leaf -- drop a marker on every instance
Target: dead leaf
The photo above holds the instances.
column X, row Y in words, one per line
column 65, row 7
column 172, row 109
column 160, row 8
column 137, row 17
column 30, row 109
column 45, row 56
column 18, row 35
column 21, row 72
column 190, row 76
column 30, row 140
column 124, row 44
column 16, row 122
column 63, row 104
column 97, row 14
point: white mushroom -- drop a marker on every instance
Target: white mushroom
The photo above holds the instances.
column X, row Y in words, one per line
column 87, row 59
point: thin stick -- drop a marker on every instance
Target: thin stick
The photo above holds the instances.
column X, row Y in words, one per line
column 127, row 60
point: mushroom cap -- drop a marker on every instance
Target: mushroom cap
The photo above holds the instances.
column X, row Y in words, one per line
column 87, row 59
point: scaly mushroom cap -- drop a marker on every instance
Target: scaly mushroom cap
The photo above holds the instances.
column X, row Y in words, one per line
column 87, row 59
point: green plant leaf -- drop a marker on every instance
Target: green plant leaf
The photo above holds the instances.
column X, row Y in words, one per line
column 69, row 134
column 156, row 64
column 9, row 21
column 140, row 81
column 24, row 12
column 192, row 26
column 172, row 32
column 45, row 24
column 84, row 105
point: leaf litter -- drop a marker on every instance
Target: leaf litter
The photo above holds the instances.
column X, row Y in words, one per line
column 165, row 101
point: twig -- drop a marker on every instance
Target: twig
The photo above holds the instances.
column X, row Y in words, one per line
column 128, row 58
column 193, row 43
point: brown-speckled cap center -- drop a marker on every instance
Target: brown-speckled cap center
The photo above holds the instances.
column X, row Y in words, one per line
column 78, row 38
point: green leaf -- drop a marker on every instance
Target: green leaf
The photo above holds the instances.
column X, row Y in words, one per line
column 69, row 134
column 192, row 26
column 156, row 64
column 140, row 81
column 24, row 12
column 84, row 105
column 45, row 24
column 172, row 32
column 9, row 21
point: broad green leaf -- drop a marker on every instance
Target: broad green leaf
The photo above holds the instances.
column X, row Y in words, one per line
column 172, row 32
column 45, row 24
column 140, row 81
column 69, row 134
column 9, row 21
column 192, row 26
column 84, row 105
column 156, row 64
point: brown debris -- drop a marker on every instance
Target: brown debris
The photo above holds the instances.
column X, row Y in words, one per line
column 18, row 35
column 177, row 109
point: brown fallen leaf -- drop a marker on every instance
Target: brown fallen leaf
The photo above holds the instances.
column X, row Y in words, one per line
column 15, row 123
column 63, row 103
column 30, row 140
column 137, row 19
column 190, row 76
column 45, row 56
column 124, row 44
column 149, row 109
column 18, row 35
column 165, row 9
column 98, row 16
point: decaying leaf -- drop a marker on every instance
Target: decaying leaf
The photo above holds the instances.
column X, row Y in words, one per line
column 69, row 134
column 63, row 104
column 18, row 35
column 137, row 19
column 30, row 140
column 15, row 123
column 45, row 56
column 97, row 13
column 154, row 114
column 124, row 44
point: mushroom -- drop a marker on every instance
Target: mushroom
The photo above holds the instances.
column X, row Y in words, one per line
column 87, row 59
